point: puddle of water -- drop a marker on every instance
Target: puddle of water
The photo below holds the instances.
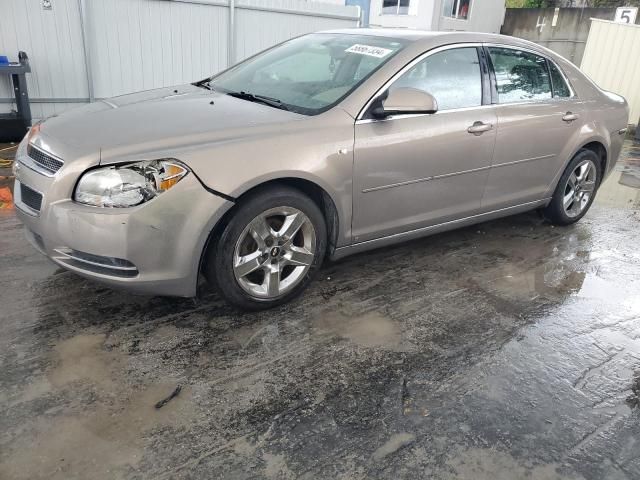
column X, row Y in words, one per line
column 618, row 293
column 539, row 281
column 630, row 178
column 369, row 330
column 490, row 464
column 616, row 192
column 622, row 187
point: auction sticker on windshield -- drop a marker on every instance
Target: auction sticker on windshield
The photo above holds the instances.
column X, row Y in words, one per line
column 377, row 52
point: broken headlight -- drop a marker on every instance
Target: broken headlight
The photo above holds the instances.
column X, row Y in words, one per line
column 121, row 186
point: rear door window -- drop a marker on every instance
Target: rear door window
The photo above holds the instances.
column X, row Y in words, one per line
column 520, row 76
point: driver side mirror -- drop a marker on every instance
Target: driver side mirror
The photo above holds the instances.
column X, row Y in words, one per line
column 405, row 100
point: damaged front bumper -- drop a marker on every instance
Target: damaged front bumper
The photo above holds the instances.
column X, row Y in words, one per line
column 153, row 248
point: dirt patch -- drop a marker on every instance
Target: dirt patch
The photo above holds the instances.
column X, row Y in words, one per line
column 81, row 358
column 395, row 443
column 105, row 442
column 106, row 438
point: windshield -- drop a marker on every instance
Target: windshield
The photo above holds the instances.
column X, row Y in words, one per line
column 309, row 74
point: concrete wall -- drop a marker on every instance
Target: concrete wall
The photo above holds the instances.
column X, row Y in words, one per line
column 134, row 45
column 611, row 61
column 568, row 36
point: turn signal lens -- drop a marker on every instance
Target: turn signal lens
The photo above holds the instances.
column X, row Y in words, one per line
column 33, row 131
column 171, row 175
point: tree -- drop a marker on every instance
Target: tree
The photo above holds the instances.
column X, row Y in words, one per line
column 532, row 3
column 614, row 3
column 571, row 3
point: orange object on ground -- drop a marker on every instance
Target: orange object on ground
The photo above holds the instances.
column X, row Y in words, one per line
column 6, row 199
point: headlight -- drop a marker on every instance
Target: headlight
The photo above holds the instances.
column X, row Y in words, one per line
column 128, row 185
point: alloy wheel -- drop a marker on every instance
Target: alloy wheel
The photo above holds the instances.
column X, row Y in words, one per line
column 274, row 252
column 579, row 188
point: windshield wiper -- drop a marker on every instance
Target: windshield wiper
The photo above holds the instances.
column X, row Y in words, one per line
column 204, row 84
column 252, row 97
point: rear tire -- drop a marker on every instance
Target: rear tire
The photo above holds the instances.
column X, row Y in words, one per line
column 270, row 249
column 576, row 189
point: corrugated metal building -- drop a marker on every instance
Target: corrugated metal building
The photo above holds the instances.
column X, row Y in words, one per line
column 85, row 49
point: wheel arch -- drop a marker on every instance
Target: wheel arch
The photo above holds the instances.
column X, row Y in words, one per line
column 596, row 144
column 598, row 147
column 315, row 192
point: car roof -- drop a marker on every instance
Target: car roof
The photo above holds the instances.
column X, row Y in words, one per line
column 400, row 33
column 437, row 37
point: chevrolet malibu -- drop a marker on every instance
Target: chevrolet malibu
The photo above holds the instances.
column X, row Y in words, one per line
column 323, row 146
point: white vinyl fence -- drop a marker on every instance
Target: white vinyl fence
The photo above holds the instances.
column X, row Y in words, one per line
column 81, row 50
column 612, row 60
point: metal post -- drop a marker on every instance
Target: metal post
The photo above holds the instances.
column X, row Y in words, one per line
column 231, row 54
column 85, row 50
column 22, row 97
column 21, row 91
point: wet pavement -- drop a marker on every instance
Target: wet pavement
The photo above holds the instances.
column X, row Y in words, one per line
column 7, row 153
column 506, row 350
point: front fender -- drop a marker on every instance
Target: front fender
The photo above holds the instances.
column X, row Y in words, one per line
column 318, row 149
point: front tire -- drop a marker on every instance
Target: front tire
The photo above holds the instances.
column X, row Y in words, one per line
column 270, row 249
column 576, row 189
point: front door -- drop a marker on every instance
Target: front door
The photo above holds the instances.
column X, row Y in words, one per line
column 414, row 171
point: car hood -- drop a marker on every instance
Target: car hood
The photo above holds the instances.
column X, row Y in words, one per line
column 158, row 121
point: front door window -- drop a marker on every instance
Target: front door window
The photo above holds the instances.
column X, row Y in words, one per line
column 451, row 76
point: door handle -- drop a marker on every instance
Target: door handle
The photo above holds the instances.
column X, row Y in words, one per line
column 478, row 128
column 570, row 117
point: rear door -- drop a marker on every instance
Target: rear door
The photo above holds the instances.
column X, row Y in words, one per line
column 538, row 116
column 413, row 171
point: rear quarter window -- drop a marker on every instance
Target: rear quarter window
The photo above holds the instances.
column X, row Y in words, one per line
column 560, row 87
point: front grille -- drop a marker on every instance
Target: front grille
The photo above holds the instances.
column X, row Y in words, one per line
column 44, row 160
column 30, row 197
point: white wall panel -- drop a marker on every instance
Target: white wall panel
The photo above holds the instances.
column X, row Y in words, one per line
column 611, row 60
column 137, row 45
column 142, row 44
column 53, row 42
column 256, row 27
